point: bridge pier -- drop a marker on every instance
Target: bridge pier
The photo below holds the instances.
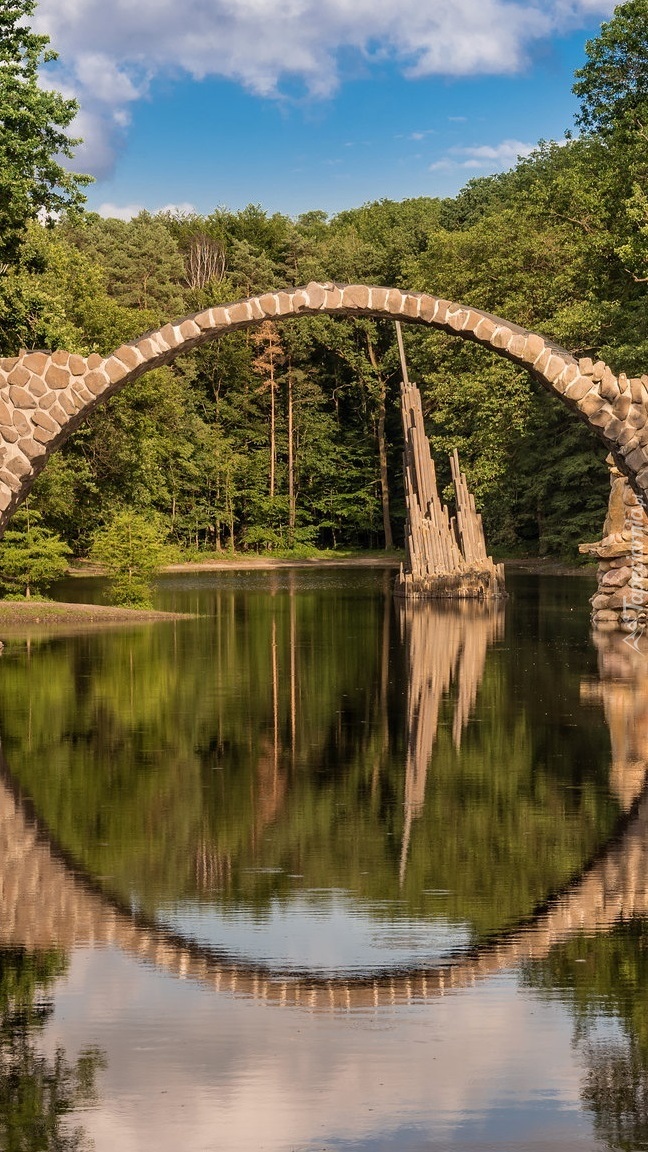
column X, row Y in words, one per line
column 621, row 598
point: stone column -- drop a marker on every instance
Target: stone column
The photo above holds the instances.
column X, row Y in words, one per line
column 621, row 599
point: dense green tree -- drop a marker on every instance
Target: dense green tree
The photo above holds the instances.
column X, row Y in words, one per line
column 32, row 557
column 131, row 549
column 33, row 134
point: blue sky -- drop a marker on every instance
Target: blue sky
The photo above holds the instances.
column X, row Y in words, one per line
column 301, row 104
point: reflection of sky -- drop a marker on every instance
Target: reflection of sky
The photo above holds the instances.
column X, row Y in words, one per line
column 320, row 931
column 492, row 1067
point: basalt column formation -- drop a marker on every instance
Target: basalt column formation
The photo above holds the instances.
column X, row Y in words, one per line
column 445, row 557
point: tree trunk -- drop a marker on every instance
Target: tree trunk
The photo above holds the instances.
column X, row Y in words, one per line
column 382, row 447
column 292, row 511
column 272, row 434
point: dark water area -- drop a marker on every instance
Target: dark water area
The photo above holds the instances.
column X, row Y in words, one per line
column 313, row 870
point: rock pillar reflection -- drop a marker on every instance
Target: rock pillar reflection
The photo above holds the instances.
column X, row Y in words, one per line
column 446, row 650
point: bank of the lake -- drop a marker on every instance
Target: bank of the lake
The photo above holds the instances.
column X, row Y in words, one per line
column 19, row 614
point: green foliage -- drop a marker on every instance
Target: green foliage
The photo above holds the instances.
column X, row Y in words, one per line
column 163, row 753
column 33, row 135
column 37, row 1092
column 31, row 556
column 131, row 549
column 613, row 84
column 559, row 245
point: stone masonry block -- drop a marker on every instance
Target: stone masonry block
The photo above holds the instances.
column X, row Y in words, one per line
column 609, row 388
column 115, row 370
column 357, row 296
column 128, row 356
column 30, row 448
column 147, row 348
column 378, row 299
column 269, row 304
column 19, row 466
column 169, row 336
column 20, row 375
column 238, row 314
column 638, row 392
column 44, row 421
column 36, row 362
column 43, row 436
column 516, row 345
column 501, row 337
column 579, row 388
column 334, row 297
column 58, row 414
column 57, row 377
column 21, row 423
column 637, row 416
column 20, row 398
column 96, row 382
column 11, row 479
column 627, row 438
column 412, row 307
column 533, row 346
column 255, row 308
column 66, row 400
column 77, row 365
column 636, row 459
column 455, row 319
column 316, row 294
column 36, row 387
column 285, row 301
column 485, row 330
column 542, row 361
column 395, row 301
column 612, row 429
column 555, row 368
column 601, row 418
column 427, row 310
column 621, row 405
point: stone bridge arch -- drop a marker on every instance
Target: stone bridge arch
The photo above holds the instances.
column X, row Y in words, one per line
column 46, row 902
column 44, row 397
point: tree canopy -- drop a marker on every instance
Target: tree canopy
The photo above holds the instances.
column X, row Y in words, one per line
column 227, row 457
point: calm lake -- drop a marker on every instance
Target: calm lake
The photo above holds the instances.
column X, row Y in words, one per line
column 314, row 871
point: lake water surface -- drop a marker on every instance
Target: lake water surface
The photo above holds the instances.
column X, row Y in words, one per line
column 314, row 871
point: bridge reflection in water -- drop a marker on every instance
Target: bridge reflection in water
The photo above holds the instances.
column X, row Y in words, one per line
column 47, row 901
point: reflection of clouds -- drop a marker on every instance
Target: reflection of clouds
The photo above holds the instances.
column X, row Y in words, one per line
column 323, row 932
column 193, row 1070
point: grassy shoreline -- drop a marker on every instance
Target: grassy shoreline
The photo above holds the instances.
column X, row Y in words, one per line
column 53, row 614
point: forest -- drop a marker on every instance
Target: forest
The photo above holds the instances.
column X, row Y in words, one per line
column 288, row 437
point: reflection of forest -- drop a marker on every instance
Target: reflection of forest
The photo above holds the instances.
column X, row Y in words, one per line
column 37, row 1093
column 280, row 735
column 606, row 977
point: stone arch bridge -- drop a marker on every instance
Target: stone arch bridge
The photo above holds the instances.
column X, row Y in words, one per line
column 46, row 902
column 45, row 396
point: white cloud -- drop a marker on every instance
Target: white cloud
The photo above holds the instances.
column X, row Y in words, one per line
column 110, row 52
column 127, row 211
column 119, row 211
column 489, row 157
